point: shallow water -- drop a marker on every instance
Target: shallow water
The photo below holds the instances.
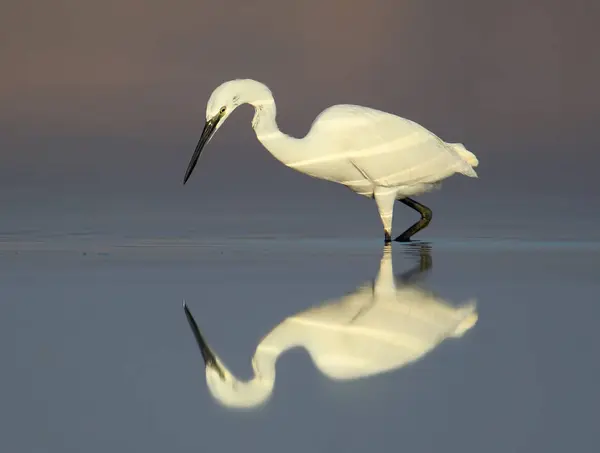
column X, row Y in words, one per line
column 98, row 355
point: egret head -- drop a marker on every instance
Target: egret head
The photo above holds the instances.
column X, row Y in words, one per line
column 224, row 386
column 222, row 102
column 235, row 394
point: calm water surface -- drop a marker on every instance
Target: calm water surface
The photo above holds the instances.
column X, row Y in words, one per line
column 98, row 356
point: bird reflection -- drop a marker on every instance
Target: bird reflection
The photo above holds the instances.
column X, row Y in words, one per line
column 381, row 326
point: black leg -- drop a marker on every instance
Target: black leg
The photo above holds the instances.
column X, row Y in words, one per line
column 388, row 237
column 418, row 226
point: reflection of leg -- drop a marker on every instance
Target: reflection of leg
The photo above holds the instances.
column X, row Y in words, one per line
column 425, row 264
column 426, row 215
column 382, row 284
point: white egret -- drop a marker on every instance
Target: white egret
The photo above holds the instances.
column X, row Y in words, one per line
column 379, row 327
column 373, row 153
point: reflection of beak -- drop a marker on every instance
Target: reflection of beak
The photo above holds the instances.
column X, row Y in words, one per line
column 207, row 133
column 209, row 358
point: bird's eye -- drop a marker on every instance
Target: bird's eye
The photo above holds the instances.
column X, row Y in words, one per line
column 222, row 111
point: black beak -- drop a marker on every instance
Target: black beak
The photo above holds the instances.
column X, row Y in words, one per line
column 208, row 356
column 207, row 132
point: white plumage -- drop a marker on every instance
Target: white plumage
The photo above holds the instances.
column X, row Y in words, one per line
column 373, row 153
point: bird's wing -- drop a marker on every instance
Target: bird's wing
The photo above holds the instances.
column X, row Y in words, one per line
column 388, row 149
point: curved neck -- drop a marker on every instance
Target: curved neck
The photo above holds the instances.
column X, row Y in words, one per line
column 256, row 390
column 284, row 148
column 279, row 340
column 264, row 122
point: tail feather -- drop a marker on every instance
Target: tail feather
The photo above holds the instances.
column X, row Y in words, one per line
column 469, row 320
column 468, row 156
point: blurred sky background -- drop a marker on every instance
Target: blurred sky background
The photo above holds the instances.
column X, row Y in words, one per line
column 101, row 105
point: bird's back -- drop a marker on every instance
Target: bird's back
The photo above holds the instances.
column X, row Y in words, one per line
column 362, row 334
column 386, row 149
